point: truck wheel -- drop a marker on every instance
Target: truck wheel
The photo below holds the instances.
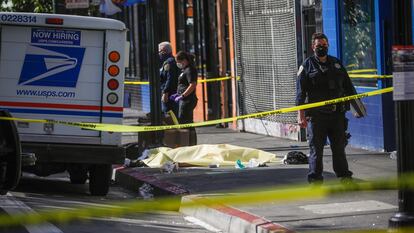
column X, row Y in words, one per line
column 99, row 179
column 78, row 174
column 10, row 155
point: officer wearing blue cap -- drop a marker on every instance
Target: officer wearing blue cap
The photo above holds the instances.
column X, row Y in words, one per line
column 322, row 77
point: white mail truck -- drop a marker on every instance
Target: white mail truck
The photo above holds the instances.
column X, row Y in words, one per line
column 67, row 68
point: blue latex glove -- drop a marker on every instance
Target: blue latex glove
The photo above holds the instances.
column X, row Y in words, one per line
column 178, row 98
column 173, row 96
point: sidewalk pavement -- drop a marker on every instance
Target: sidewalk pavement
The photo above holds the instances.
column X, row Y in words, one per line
column 364, row 210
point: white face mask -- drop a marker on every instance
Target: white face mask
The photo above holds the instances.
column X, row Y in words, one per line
column 180, row 65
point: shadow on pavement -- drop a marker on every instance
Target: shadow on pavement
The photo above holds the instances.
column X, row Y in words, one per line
column 202, row 180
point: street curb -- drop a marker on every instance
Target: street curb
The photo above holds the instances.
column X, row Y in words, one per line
column 223, row 217
column 229, row 219
column 132, row 179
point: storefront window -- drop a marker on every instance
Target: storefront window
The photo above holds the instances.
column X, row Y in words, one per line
column 358, row 37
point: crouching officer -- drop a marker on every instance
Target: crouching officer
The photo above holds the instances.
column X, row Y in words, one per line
column 322, row 77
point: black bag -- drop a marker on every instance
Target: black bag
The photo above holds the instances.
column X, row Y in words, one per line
column 295, row 157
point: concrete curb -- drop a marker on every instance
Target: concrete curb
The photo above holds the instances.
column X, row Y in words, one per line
column 225, row 218
column 229, row 219
column 132, row 179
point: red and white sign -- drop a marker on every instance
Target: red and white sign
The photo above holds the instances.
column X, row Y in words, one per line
column 403, row 72
column 74, row 4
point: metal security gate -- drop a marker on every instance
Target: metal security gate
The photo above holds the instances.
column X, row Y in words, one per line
column 267, row 56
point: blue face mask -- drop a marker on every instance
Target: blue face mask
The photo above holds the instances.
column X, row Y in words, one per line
column 180, row 65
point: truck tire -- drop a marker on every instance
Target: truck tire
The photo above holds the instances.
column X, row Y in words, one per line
column 10, row 155
column 99, row 179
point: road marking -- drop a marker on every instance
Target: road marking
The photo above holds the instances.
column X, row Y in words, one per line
column 13, row 207
column 348, row 207
column 205, row 225
column 158, row 224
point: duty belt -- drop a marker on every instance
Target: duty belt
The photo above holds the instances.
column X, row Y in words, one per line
column 330, row 108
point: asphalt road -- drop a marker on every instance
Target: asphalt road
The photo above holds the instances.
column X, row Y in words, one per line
column 35, row 193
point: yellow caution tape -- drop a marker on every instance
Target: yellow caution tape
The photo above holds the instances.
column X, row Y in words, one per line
column 352, row 74
column 173, row 117
column 199, row 81
column 214, row 79
column 362, row 71
column 369, row 76
column 137, row 82
column 86, row 125
column 201, row 66
column 130, row 128
column 278, row 194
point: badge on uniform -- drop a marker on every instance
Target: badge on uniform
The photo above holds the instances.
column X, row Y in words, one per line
column 300, row 70
column 337, row 65
column 167, row 67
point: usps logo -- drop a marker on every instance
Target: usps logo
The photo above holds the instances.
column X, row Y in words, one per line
column 51, row 66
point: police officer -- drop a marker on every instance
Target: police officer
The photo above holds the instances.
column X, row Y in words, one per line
column 186, row 96
column 169, row 77
column 322, row 77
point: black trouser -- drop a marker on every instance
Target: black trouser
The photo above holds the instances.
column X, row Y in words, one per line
column 186, row 115
column 321, row 127
column 170, row 105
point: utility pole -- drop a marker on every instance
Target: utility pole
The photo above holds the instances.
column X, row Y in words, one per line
column 404, row 113
column 153, row 71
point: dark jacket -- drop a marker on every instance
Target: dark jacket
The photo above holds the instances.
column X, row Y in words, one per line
column 169, row 75
column 323, row 81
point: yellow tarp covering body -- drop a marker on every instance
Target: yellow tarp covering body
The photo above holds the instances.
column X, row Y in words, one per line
column 205, row 155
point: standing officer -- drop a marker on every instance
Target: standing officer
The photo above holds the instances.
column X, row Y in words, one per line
column 186, row 91
column 169, row 77
column 322, row 77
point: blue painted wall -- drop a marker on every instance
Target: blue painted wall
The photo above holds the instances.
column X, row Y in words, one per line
column 331, row 25
column 145, row 98
column 376, row 131
column 368, row 132
column 137, row 97
column 383, row 15
column 412, row 19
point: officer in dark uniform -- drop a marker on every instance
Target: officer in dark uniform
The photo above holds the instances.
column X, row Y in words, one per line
column 169, row 77
column 322, row 77
column 186, row 91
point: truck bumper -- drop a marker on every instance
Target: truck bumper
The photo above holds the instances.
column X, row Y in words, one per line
column 67, row 153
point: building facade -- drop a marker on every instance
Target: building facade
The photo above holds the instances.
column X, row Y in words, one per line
column 359, row 34
column 262, row 43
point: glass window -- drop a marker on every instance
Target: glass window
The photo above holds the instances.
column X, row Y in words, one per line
column 358, row 37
